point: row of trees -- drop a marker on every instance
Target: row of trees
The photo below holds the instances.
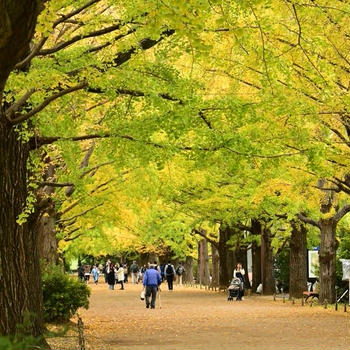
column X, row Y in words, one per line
column 143, row 126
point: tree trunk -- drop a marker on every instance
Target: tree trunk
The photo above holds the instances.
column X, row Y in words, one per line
column 203, row 262
column 20, row 286
column 188, row 266
column 268, row 281
column 241, row 256
column 45, row 226
column 47, row 242
column 216, row 267
column 256, row 255
column 298, row 260
column 328, row 249
column 225, row 272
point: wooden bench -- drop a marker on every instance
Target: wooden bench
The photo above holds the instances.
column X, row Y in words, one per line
column 310, row 295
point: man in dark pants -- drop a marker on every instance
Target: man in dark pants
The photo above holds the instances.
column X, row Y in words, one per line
column 151, row 281
column 169, row 274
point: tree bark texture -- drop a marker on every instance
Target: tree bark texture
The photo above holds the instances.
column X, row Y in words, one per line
column 215, row 259
column 45, row 227
column 20, row 278
column 241, row 257
column 225, row 256
column 203, row 262
column 256, row 255
column 17, row 24
column 188, row 265
column 268, row 280
column 298, row 260
column 327, row 255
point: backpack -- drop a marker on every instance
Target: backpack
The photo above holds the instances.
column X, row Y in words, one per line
column 169, row 270
column 180, row 270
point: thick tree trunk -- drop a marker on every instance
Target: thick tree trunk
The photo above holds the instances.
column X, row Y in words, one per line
column 328, row 249
column 45, row 227
column 47, row 242
column 268, row 281
column 256, row 255
column 203, row 262
column 20, row 286
column 298, row 260
column 215, row 264
column 241, row 257
column 188, row 265
column 225, row 256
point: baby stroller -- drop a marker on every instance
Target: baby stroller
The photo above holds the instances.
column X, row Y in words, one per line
column 235, row 289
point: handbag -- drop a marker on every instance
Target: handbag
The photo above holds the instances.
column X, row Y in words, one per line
column 142, row 295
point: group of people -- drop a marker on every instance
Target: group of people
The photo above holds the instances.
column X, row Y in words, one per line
column 118, row 273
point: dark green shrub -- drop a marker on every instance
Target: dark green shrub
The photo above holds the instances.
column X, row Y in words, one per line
column 13, row 343
column 63, row 295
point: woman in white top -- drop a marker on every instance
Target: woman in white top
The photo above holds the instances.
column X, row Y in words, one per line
column 239, row 272
column 120, row 276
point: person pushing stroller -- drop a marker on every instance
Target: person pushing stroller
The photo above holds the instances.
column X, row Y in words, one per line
column 236, row 288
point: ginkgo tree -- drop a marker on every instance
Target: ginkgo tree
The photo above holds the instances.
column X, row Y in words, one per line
column 141, row 79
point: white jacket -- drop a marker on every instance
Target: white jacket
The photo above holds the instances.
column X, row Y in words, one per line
column 235, row 271
column 120, row 274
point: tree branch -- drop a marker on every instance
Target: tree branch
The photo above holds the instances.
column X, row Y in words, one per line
column 344, row 210
column 307, row 220
column 79, row 37
column 201, row 233
column 17, row 105
column 55, row 184
column 80, row 214
column 42, row 42
column 46, row 102
column 95, row 168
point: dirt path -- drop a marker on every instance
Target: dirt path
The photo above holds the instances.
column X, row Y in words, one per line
column 194, row 319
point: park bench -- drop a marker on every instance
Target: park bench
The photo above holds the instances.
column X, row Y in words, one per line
column 310, row 295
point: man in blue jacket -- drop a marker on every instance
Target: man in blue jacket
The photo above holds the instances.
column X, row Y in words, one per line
column 151, row 281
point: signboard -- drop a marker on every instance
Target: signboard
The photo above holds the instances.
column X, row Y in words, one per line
column 313, row 263
column 346, row 269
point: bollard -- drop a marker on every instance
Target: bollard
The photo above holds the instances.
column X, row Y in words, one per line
column 325, row 304
column 302, row 301
column 293, row 301
column 274, row 297
column 345, row 307
column 284, row 300
column 336, row 306
column 81, row 334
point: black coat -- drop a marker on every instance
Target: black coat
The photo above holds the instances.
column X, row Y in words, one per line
column 111, row 276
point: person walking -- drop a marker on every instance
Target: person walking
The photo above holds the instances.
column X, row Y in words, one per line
column 239, row 272
column 87, row 272
column 180, row 270
column 110, row 275
column 120, row 276
column 126, row 273
column 151, row 282
column 169, row 274
column 81, row 273
column 134, row 269
column 95, row 273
